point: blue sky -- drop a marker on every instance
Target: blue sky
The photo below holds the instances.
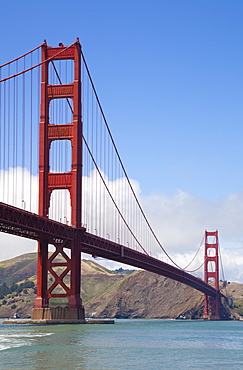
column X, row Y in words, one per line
column 169, row 77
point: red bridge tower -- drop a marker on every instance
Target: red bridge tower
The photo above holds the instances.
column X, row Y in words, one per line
column 49, row 181
column 211, row 271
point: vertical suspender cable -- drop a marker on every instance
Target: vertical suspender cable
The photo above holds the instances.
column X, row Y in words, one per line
column 8, row 140
column 23, row 139
column 31, row 135
column 3, row 142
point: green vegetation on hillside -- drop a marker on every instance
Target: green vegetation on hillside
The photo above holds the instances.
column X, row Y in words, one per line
column 238, row 306
column 14, row 288
column 18, row 269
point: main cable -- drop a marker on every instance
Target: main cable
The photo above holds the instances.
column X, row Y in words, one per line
column 111, row 138
column 123, row 168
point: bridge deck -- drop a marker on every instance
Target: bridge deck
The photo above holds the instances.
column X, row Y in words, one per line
column 29, row 225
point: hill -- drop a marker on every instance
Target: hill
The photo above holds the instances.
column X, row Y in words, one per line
column 106, row 293
column 146, row 295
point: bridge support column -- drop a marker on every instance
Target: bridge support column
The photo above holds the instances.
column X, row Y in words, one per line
column 211, row 274
column 41, row 300
column 74, row 300
column 59, row 276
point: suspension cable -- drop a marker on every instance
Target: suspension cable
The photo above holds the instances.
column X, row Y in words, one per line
column 99, row 172
column 39, row 64
column 123, row 168
column 31, row 51
column 194, row 259
column 113, row 200
column 222, row 269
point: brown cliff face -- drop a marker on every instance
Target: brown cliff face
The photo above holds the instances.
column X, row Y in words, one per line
column 147, row 295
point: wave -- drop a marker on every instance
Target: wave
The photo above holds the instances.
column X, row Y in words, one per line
column 8, row 341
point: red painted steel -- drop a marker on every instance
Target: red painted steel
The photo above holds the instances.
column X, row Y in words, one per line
column 211, row 272
column 49, row 182
column 29, row 225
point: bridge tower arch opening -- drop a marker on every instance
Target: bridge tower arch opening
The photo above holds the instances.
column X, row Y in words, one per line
column 50, row 181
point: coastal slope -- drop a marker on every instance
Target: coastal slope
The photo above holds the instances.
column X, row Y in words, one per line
column 107, row 293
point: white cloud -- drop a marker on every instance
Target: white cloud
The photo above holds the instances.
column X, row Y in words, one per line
column 12, row 246
column 181, row 219
column 19, row 188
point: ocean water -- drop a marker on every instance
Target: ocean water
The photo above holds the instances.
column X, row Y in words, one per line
column 128, row 344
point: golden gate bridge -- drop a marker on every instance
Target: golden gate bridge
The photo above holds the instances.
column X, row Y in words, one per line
column 64, row 185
